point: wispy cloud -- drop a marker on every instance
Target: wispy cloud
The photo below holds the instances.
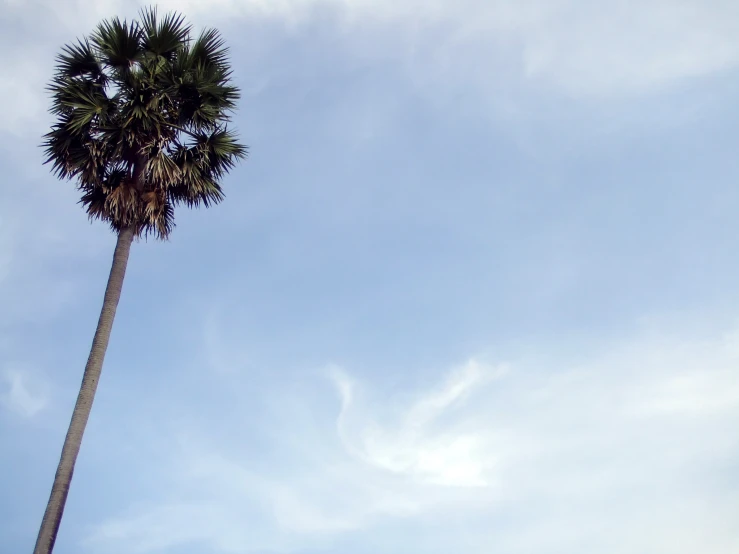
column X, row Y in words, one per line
column 23, row 393
column 570, row 451
column 420, row 444
column 581, row 48
column 631, row 449
column 504, row 51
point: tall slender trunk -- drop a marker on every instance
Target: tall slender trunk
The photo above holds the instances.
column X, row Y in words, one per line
column 65, row 469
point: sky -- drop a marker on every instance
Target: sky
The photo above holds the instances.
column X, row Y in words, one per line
column 475, row 290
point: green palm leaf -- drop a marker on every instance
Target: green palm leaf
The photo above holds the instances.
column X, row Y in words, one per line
column 140, row 112
column 119, row 43
column 208, row 50
column 79, row 60
column 163, row 37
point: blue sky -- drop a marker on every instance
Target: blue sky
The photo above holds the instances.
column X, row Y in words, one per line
column 474, row 291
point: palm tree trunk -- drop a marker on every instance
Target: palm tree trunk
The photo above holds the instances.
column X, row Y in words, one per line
column 65, row 469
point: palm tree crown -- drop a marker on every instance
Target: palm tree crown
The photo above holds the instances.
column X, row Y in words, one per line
column 141, row 113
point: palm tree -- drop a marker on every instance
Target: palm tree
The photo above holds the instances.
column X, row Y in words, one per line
column 141, row 112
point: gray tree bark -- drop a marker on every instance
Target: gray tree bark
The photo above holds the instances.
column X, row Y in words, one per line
column 73, row 440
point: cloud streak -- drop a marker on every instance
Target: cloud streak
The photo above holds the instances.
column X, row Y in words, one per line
column 22, row 393
column 571, row 452
column 511, row 53
column 583, row 49
column 401, row 234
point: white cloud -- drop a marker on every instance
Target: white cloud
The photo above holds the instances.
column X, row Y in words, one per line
column 23, row 393
column 450, row 457
column 619, row 454
column 504, row 50
column 579, row 47
column 610, row 48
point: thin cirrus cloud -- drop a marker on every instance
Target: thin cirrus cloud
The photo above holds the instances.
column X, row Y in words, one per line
column 637, row 438
column 630, row 449
column 503, row 50
column 22, row 393
column 452, row 458
column 580, row 48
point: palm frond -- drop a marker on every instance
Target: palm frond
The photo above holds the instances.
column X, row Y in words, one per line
column 79, row 60
column 158, row 214
column 196, row 184
column 208, row 49
column 163, row 37
column 119, row 42
column 93, row 201
column 82, row 101
column 220, row 150
column 162, row 169
column 75, row 154
column 204, row 96
column 140, row 113
column 195, row 191
column 61, row 149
